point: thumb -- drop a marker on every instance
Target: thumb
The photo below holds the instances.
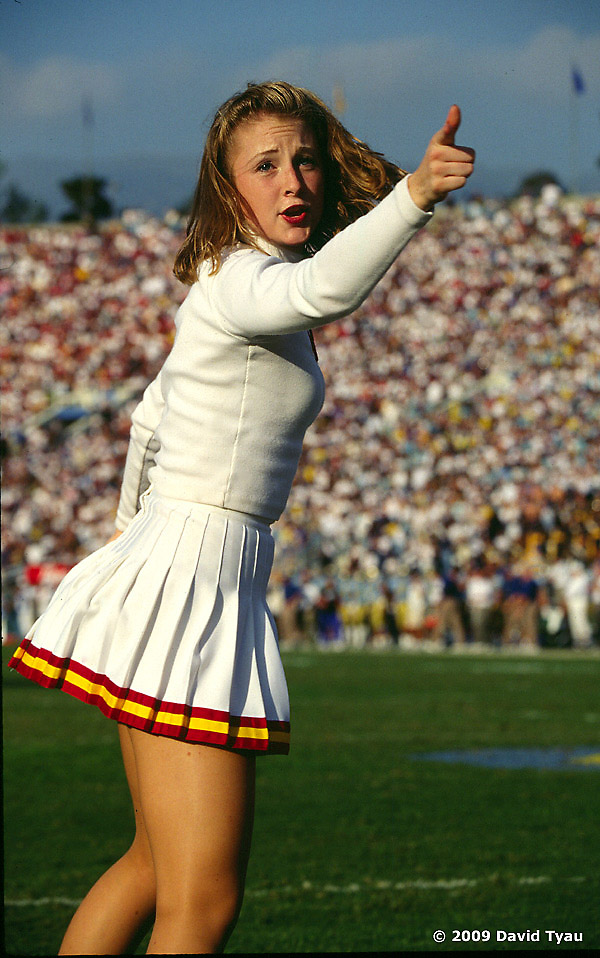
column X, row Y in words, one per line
column 447, row 133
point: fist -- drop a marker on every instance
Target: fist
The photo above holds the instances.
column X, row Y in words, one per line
column 445, row 166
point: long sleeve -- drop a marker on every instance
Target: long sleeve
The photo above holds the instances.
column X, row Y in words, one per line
column 141, row 453
column 257, row 295
column 224, row 422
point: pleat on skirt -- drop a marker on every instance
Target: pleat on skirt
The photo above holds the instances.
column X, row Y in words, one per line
column 167, row 629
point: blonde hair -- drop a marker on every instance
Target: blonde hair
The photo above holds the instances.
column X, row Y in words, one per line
column 355, row 177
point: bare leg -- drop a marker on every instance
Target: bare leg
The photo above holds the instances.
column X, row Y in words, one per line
column 198, row 809
column 123, row 899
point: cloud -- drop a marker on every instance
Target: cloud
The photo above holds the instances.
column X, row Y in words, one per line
column 541, row 67
column 400, row 66
column 53, row 87
column 515, row 97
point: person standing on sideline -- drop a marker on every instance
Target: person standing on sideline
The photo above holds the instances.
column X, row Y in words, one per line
column 449, row 612
column 481, row 598
column 577, row 600
column 166, row 628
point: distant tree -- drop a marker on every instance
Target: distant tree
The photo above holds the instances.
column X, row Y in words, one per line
column 86, row 194
column 19, row 208
column 15, row 207
column 184, row 209
column 533, row 184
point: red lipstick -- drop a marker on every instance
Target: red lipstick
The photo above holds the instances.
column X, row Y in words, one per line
column 295, row 215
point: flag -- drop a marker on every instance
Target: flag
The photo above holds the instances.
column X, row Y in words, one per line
column 339, row 100
column 578, row 84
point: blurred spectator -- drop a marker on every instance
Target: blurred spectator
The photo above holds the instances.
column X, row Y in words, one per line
column 520, row 609
column 329, row 623
column 390, row 613
column 595, row 601
column 576, row 594
column 449, row 625
column 290, row 621
column 553, row 623
column 415, row 606
column 481, row 597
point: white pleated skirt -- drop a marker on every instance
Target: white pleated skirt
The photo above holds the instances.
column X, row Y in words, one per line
column 167, row 629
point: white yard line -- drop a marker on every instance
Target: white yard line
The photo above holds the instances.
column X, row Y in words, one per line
column 354, row 888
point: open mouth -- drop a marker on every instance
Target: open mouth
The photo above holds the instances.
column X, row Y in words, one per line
column 295, row 215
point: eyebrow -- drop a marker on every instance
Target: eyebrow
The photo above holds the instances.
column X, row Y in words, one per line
column 303, row 148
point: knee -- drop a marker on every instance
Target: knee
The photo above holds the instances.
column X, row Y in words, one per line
column 213, row 910
column 140, row 860
column 222, row 914
column 218, row 908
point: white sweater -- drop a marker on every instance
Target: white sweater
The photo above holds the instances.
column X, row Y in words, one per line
column 223, row 422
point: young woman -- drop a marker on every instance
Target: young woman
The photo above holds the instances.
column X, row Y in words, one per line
column 166, row 628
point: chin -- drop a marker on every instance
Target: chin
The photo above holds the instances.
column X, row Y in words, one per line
column 295, row 240
column 293, row 244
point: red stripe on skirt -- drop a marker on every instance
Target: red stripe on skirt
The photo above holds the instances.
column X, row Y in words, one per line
column 230, row 739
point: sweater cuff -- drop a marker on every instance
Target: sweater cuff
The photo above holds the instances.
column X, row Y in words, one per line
column 411, row 213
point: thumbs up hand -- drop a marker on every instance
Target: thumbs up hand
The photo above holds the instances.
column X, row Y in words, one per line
column 445, row 167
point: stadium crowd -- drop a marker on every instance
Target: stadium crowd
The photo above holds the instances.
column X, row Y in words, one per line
column 449, row 492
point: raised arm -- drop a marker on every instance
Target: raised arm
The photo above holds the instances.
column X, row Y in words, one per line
column 445, row 167
column 260, row 296
column 257, row 295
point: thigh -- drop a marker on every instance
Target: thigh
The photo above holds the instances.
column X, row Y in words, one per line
column 197, row 804
column 130, row 770
column 141, row 845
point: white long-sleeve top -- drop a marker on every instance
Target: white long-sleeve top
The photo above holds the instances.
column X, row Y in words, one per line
column 224, row 421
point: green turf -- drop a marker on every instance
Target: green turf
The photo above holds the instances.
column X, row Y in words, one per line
column 357, row 846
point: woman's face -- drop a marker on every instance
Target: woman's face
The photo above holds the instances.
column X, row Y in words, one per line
column 276, row 168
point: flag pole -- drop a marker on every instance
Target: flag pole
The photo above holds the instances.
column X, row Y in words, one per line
column 87, row 117
column 577, row 89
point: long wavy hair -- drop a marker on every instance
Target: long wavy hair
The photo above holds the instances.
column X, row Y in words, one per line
column 355, row 176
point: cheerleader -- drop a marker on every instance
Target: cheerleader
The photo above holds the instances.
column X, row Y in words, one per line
column 166, row 628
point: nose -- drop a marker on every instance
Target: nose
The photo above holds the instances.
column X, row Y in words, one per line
column 292, row 181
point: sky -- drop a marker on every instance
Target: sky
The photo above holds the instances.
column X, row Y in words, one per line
column 153, row 73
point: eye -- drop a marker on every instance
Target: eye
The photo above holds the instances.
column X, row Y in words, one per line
column 265, row 166
column 307, row 160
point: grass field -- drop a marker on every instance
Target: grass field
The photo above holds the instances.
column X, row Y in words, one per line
column 359, row 846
